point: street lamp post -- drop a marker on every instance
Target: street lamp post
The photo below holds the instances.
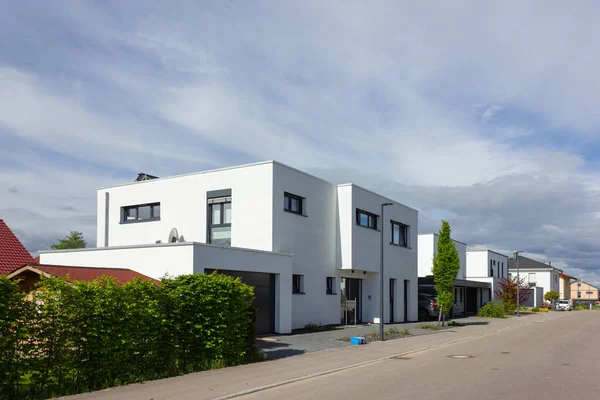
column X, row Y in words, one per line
column 516, row 254
column 382, row 281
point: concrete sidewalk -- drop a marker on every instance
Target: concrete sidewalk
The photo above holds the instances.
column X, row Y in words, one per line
column 234, row 381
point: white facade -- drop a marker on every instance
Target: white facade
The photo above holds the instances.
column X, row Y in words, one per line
column 324, row 240
column 537, row 274
column 428, row 245
column 487, row 266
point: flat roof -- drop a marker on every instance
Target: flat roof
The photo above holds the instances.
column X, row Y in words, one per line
column 488, row 250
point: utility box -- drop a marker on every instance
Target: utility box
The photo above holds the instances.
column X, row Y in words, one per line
column 358, row 340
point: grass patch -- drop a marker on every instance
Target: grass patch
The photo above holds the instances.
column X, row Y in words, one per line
column 311, row 327
column 433, row 327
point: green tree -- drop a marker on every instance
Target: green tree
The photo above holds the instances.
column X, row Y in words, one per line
column 446, row 264
column 551, row 295
column 73, row 241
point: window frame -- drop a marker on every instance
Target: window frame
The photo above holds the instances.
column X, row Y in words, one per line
column 297, row 284
column 370, row 217
column 137, row 219
column 491, row 269
column 220, row 202
column 330, row 285
column 287, row 201
column 406, row 237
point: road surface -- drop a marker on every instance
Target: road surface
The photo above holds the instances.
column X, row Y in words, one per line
column 554, row 359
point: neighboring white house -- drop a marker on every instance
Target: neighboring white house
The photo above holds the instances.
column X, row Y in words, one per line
column 487, row 266
column 305, row 244
column 469, row 295
column 536, row 273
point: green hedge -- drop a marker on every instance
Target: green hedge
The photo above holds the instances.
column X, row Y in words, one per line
column 491, row 310
column 84, row 336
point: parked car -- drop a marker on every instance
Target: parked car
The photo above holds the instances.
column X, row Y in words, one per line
column 429, row 310
column 563, row 305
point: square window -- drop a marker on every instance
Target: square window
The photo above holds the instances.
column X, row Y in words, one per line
column 298, row 284
column 293, row 203
column 366, row 219
column 399, row 234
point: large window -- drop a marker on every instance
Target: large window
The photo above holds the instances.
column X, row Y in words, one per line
column 366, row 219
column 141, row 212
column 399, row 234
column 219, row 224
column 293, row 203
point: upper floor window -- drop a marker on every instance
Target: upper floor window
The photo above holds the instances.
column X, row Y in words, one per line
column 293, row 203
column 141, row 212
column 532, row 279
column 399, row 234
column 502, row 270
column 219, row 221
column 330, row 282
column 491, row 269
column 366, row 219
column 298, row 284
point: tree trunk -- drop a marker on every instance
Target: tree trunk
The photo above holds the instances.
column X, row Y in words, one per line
column 440, row 316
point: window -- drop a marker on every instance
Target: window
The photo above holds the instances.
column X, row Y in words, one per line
column 293, row 203
column 219, row 221
column 491, row 269
column 461, row 294
column 298, row 284
column 502, row 271
column 589, row 293
column 579, row 285
column 399, row 234
column 330, row 285
column 578, row 295
column 366, row 219
column 142, row 212
column 494, row 262
column 532, row 279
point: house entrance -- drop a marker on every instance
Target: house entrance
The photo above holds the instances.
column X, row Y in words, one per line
column 351, row 289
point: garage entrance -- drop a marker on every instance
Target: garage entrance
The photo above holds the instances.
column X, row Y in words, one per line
column 472, row 300
column 264, row 292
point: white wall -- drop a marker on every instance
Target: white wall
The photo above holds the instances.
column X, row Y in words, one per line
column 183, row 202
column 312, row 238
column 153, row 260
column 428, row 250
column 545, row 278
column 478, row 268
column 345, row 222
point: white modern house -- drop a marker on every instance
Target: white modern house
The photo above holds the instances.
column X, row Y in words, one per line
column 306, row 245
column 487, row 266
column 469, row 295
column 536, row 274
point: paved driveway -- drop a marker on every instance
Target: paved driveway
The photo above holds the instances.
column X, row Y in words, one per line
column 281, row 346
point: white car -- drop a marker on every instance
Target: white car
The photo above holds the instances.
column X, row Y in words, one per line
column 563, row 305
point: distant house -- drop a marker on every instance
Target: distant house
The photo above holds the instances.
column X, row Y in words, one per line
column 565, row 287
column 536, row 274
column 12, row 252
column 583, row 291
column 30, row 274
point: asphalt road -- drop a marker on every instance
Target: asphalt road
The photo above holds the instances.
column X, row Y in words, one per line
column 556, row 359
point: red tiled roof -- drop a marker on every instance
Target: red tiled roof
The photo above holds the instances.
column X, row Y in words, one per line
column 12, row 252
column 86, row 273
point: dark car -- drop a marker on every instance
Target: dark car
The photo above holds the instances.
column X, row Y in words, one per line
column 429, row 310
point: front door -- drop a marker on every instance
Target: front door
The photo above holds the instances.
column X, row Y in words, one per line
column 351, row 289
column 471, row 300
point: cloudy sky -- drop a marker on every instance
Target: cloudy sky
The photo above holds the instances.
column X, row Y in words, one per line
column 483, row 114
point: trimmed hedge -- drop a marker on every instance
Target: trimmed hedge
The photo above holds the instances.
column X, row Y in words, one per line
column 84, row 336
column 491, row 310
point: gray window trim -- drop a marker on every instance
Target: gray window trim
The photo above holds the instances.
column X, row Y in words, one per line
column 136, row 221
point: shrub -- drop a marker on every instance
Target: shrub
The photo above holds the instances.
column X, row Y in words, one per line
column 428, row 326
column 405, row 332
column 535, row 309
column 543, row 309
column 83, row 336
column 551, row 295
column 492, row 310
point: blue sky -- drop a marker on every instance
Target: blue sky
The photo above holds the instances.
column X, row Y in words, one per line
column 485, row 113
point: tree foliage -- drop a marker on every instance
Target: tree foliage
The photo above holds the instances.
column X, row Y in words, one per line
column 446, row 265
column 551, row 295
column 75, row 337
column 507, row 293
column 73, row 240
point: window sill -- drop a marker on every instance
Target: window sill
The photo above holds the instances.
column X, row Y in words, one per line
column 298, row 293
column 331, row 294
column 295, row 213
column 399, row 245
column 139, row 221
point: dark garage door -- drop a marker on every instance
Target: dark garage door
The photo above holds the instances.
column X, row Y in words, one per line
column 264, row 292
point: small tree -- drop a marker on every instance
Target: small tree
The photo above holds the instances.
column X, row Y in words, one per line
column 446, row 264
column 507, row 292
column 551, row 295
column 73, row 241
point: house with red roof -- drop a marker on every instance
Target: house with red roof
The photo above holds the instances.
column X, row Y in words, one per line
column 12, row 252
column 29, row 274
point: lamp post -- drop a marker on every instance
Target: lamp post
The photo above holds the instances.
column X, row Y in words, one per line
column 516, row 254
column 382, row 281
